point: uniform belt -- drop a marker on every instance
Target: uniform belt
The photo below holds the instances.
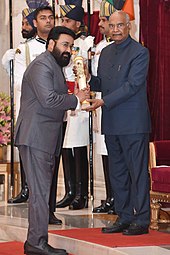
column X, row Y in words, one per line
column 71, row 85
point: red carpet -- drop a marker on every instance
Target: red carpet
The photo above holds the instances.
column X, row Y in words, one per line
column 94, row 235
column 8, row 248
column 12, row 248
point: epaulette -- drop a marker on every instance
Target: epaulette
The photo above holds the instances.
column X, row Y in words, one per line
column 18, row 51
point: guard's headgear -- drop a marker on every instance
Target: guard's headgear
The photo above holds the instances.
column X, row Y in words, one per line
column 33, row 5
column 106, row 9
column 72, row 10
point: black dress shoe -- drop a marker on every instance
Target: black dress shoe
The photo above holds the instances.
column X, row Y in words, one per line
column 53, row 219
column 117, row 227
column 22, row 197
column 43, row 249
column 112, row 211
column 135, row 229
column 78, row 203
column 66, row 201
column 105, row 207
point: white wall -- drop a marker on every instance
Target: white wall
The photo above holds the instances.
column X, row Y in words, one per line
column 4, row 45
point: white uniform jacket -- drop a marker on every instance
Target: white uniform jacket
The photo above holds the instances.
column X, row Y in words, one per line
column 100, row 142
column 25, row 54
column 77, row 131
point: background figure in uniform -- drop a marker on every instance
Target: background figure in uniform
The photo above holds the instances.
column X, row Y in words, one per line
column 28, row 31
column 121, row 77
column 74, row 152
column 38, row 133
column 106, row 9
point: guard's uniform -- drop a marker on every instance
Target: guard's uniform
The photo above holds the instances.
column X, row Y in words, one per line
column 25, row 54
column 77, row 131
column 100, row 141
column 74, row 153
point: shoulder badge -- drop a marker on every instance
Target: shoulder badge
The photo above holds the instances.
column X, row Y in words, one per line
column 18, row 51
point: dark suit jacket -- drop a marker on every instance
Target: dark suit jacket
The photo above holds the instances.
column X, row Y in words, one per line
column 44, row 100
column 121, row 78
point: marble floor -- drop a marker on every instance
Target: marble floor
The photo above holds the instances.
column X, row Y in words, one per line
column 13, row 226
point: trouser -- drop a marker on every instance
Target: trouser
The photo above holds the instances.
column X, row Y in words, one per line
column 128, row 168
column 23, row 177
column 69, row 171
column 75, row 165
column 81, row 166
column 109, row 192
column 39, row 167
column 53, row 192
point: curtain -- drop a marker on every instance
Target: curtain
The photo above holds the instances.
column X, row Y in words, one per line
column 155, row 35
column 94, row 29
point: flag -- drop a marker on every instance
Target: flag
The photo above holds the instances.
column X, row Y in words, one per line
column 118, row 4
column 129, row 8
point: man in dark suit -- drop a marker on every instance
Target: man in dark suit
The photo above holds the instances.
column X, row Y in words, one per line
column 38, row 133
column 121, row 78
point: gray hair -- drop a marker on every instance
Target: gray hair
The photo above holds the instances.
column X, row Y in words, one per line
column 126, row 15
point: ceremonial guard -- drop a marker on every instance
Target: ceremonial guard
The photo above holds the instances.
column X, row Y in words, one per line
column 74, row 153
column 28, row 32
column 106, row 9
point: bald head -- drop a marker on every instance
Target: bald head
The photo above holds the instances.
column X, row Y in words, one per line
column 119, row 26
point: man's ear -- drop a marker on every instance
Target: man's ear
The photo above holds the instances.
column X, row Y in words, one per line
column 78, row 24
column 129, row 26
column 51, row 45
column 35, row 23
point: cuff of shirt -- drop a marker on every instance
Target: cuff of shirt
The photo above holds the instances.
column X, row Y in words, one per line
column 89, row 79
column 78, row 107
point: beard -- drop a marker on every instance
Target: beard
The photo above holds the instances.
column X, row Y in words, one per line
column 63, row 58
column 28, row 34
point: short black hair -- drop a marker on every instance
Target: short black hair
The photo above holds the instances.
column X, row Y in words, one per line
column 42, row 8
column 55, row 33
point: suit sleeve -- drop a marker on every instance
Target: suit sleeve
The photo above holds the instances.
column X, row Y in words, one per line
column 43, row 87
column 135, row 81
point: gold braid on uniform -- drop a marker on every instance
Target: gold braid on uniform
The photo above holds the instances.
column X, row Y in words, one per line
column 108, row 39
column 27, row 54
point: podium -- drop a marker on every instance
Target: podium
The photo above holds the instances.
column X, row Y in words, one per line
column 5, row 170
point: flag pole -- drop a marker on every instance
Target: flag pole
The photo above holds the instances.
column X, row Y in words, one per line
column 53, row 5
column 90, row 119
column 11, row 98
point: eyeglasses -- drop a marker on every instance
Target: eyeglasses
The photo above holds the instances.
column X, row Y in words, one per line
column 118, row 26
column 66, row 45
